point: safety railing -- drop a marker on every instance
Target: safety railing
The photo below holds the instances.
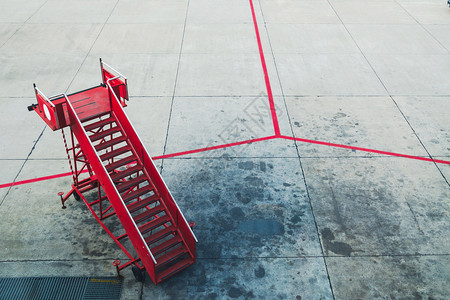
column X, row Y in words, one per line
column 117, row 82
column 47, row 109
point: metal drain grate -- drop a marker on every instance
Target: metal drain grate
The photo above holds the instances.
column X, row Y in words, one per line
column 70, row 288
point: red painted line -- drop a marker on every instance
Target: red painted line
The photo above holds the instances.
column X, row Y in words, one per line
column 154, row 158
column 216, row 147
column 266, row 75
column 366, row 150
column 34, row 180
column 243, row 143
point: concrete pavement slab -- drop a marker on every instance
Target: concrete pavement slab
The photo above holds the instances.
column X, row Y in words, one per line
column 259, row 278
column 298, row 12
column 428, row 117
column 50, row 144
column 52, row 38
column 70, row 11
column 147, row 74
column 440, row 33
column 302, row 38
column 327, row 74
column 33, row 219
column 260, row 210
column 20, row 129
column 156, row 11
column 220, row 75
column 413, row 74
column 379, row 206
column 410, row 277
column 52, row 73
column 431, row 13
column 150, row 117
column 224, row 121
column 19, row 11
column 10, row 168
column 7, row 31
column 219, row 11
column 371, row 12
column 445, row 169
column 139, row 38
column 392, row 39
column 367, row 122
column 219, row 38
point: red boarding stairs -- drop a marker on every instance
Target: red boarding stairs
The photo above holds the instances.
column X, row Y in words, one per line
column 117, row 179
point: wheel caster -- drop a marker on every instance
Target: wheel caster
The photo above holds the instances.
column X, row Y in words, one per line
column 138, row 274
column 76, row 196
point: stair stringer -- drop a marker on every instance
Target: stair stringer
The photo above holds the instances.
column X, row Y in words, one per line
column 111, row 192
column 150, row 169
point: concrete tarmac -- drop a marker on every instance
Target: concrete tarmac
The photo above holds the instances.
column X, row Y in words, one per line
column 326, row 179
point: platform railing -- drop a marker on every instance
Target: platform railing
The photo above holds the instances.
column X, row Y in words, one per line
column 47, row 109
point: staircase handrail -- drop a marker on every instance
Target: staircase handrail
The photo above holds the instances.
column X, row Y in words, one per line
column 103, row 170
column 145, row 149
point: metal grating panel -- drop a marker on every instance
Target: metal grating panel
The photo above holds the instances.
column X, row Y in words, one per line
column 70, row 288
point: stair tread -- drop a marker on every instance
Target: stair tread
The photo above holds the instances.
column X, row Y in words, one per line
column 110, row 143
column 99, row 123
column 140, row 204
column 104, row 133
column 91, row 117
column 115, row 152
column 166, row 245
column 119, row 163
column 170, row 256
column 153, row 224
column 149, row 213
column 137, row 193
column 124, row 173
column 160, row 276
column 125, row 185
column 159, row 235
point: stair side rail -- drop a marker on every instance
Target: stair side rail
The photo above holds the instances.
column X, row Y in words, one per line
column 111, row 192
column 149, row 166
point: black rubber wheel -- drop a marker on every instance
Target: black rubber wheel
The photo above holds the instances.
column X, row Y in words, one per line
column 76, row 196
column 138, row 274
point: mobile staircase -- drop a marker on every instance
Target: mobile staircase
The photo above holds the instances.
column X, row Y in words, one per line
column 116, row 178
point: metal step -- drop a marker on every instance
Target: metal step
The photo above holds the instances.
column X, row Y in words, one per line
column 125, row 185
column 120, row 163
column 153, row 224
column 148, row 213
column 110, row 143
column 104, row 133
column 159, row 235
column 99, row 123
column 170, row 256
column 160, row 276
column 142, row 203
column 127, row 172
column 166, row 245
column 115, row 152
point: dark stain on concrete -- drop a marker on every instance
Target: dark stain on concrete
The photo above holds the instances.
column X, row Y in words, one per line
column 237, row 213
column 262, row 166
column 335, row 247
column 236, row 292
column 260, row 272
column 261, row 226
column 245, row 165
